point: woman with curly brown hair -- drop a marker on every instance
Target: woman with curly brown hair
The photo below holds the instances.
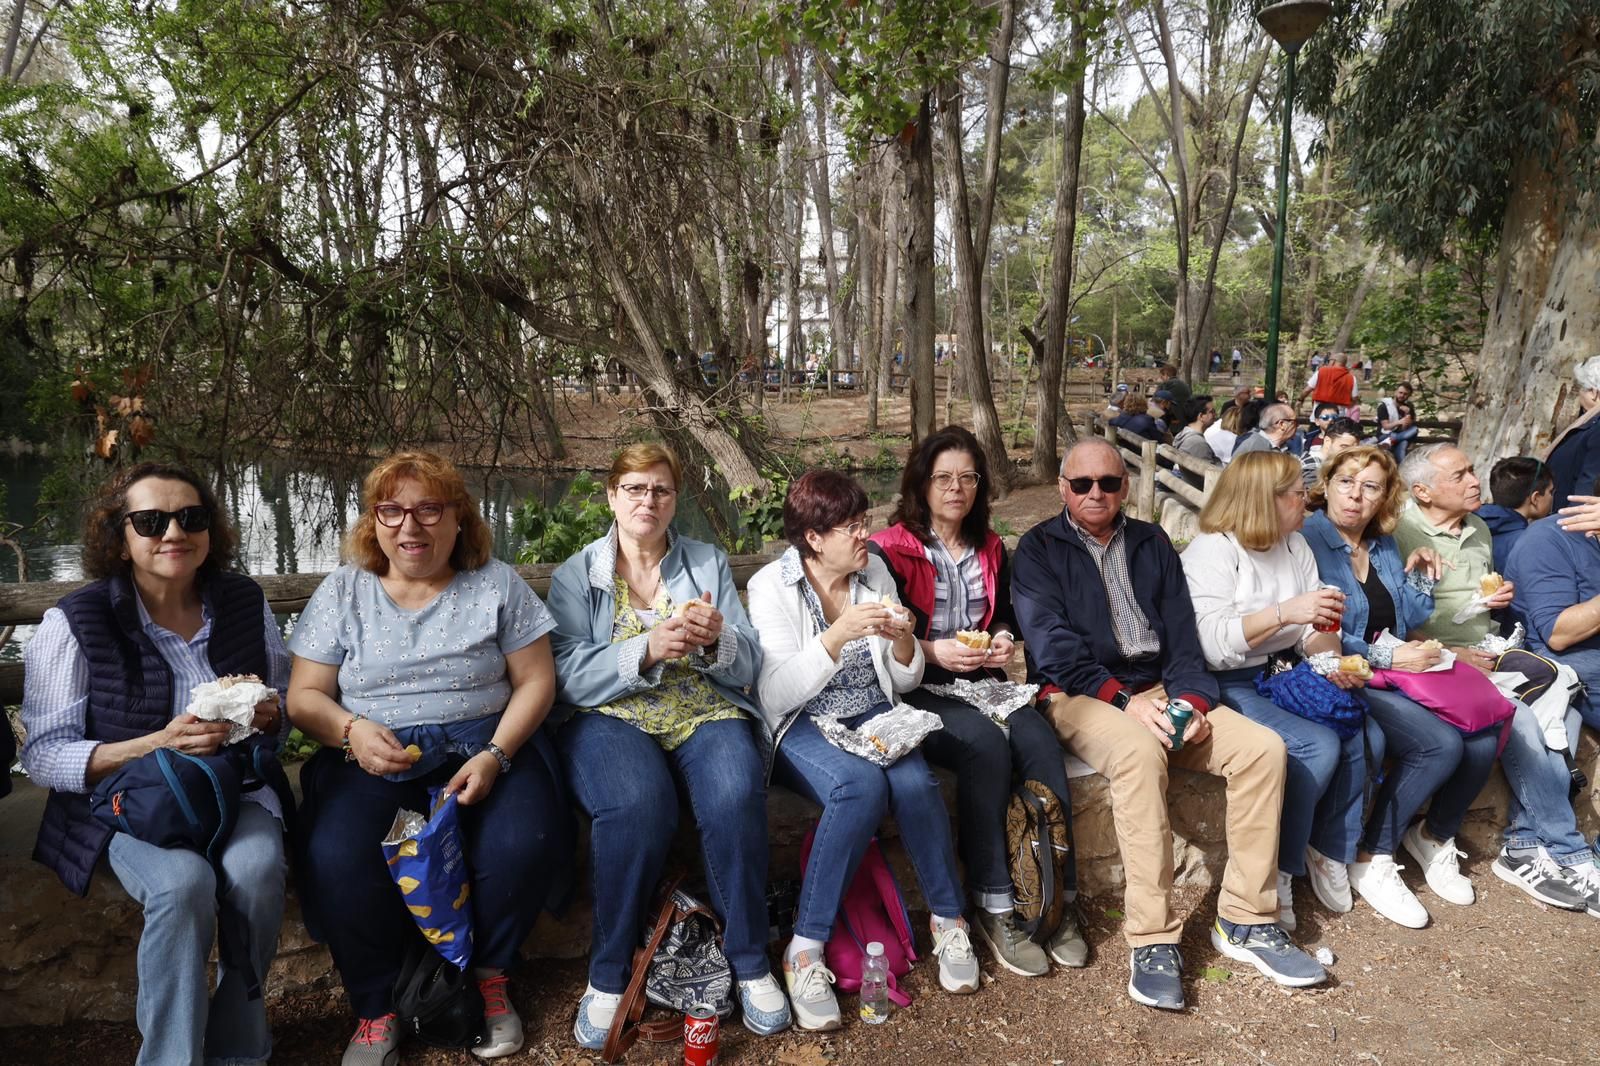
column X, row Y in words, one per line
column 108, row 680
column 423, row 640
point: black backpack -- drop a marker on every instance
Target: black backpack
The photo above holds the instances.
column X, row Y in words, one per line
column 435, row 1001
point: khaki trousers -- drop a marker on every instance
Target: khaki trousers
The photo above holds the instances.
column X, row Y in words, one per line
column 1248, row 756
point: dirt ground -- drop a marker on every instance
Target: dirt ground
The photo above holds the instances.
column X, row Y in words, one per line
column 1506, row 980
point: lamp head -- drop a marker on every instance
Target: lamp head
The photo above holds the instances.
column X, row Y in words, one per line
column 1292, row 22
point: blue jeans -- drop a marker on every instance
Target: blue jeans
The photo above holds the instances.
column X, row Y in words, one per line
column 1432, row 758
column 1325, row 781
column 1402, row 441
column 629, row 787
column 984, row 758
column 1540, row 811
column 178, row 890
column 1586, row 663
column 518, row 843
column 855, row 795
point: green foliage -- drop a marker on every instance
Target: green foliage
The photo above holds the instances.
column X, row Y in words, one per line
column 298, row 746
column 762, row 514
column 555, row 532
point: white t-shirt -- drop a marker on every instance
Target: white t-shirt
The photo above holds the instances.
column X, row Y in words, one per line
column 1227, row 582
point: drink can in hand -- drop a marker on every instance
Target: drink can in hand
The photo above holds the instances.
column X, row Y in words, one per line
column 1329, row 627
column 1178, row 713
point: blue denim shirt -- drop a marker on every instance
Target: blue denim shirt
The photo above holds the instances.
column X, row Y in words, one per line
column 1413, row 597
column 1553, row 569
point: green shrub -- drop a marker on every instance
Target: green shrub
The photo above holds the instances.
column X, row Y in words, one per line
column 552, row 533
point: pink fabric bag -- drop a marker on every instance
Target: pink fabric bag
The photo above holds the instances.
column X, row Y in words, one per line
column 1461, row 696
column 872, row 909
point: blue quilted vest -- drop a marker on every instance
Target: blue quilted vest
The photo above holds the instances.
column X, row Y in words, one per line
column 130, row 693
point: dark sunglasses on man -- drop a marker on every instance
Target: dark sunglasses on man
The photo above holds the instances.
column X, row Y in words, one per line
column 195, row 518
column 1111, row 483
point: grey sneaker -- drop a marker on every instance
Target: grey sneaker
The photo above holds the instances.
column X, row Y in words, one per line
column 958, row 966
column 500, row 1017
column 1586, row 879
column 1267, row 948
column 1011, row 946
column 376, row 1043
column 1540, row 878
column 810, row 985
column 1156, row 977
column 1067, row 946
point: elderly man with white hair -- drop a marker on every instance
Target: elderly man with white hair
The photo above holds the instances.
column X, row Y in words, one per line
column 1574, row 456
column 1272, row 433
column 1544, row 854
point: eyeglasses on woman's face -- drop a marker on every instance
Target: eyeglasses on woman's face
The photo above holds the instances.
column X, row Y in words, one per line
column 857, row 529
column 1345, row 485
column 944, row 480
column 637, row 491
column 427, row 513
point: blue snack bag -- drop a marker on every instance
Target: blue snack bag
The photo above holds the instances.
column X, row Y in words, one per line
column 428, row 864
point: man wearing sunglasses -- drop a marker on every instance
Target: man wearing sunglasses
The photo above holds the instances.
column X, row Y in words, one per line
column 1109, row 635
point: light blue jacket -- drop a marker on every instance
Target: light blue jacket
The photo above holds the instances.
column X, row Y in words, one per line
column 1412, row 593
column 591, row 671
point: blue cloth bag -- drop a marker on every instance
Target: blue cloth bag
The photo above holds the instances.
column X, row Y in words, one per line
column 1305, row 692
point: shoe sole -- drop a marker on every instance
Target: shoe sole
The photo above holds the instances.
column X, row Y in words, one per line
column 827, row 1025
column 1511, row 878
column 756, row 1029
column 1135, row 995
column 1071, row 964
column 983, row 934
column 498, row 1051
column 961, row 989
column 1242, row 954
column 1426, row 917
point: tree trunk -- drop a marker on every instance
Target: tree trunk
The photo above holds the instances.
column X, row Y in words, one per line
column 892, row 252
column 915, row 146
column 1341, row 341
column 1047, row 421
column 1545, row 317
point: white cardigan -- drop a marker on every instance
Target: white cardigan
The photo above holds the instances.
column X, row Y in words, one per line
column 794, row 664
column 1228, row 581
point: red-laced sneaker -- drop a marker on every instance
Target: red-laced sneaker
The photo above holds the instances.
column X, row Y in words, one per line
column 376, row 1043
column 505, row 1027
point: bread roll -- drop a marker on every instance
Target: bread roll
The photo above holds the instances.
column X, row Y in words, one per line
column 975, row 638
column 1432, row 645
column 1490, row 583
column 1357, row 665
column 684, row 607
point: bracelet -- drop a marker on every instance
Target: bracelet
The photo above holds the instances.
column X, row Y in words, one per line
column 1277, row 611
column 500, row 756
column 344, row 739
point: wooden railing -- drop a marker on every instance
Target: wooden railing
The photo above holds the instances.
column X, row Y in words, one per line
column 1145, row 458
column 25, row 604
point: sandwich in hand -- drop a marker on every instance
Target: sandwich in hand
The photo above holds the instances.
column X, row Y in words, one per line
column 975, row 638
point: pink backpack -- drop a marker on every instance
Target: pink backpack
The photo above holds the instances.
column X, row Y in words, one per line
column 872, row 909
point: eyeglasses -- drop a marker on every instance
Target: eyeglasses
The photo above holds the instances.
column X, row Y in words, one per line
column 426, row 514
column 967, row 479
column 1346, row 486
column 1284, row 422
column 636, row 491
column 1108, row 484
column 857, row 529
column 196, row 518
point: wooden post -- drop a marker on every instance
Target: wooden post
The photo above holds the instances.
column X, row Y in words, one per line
column 1147, row 481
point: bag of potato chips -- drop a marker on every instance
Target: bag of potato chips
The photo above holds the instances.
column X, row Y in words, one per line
column 427, row 861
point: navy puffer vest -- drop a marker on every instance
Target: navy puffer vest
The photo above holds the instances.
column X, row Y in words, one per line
column 130, row 693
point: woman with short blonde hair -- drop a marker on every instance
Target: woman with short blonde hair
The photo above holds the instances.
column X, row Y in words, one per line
column 1253, row 580
column 1345, row 467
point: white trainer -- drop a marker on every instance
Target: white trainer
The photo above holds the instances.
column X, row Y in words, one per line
column 1439, row 866
column 1379, row 884
column 1330, row 881
column 1286, row 919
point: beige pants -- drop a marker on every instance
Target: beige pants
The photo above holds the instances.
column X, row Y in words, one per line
column 1248, row 756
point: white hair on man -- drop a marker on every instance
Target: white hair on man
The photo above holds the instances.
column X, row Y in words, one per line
column 1084, row 443
column 1587, row 373
column 1419, row 467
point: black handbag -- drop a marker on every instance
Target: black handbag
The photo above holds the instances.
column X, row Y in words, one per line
column 436, row 1002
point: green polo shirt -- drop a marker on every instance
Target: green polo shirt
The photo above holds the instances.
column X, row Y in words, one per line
column 1472, row 552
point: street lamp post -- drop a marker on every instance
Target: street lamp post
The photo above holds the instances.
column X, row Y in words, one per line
column 1291, row 24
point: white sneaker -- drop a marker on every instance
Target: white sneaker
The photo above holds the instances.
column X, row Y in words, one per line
column 1379, row 884
column 1286, row 918
column 958, row 965
column 1330, row 881
column 810, row 985
column 1438, row 862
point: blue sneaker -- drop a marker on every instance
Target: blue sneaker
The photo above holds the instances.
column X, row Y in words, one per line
column 1267, row 948
column 764, row 1006
column 585, row 1029
column 1155, row 976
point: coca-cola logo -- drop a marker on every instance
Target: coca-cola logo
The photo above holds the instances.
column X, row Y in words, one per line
column 700, row 1034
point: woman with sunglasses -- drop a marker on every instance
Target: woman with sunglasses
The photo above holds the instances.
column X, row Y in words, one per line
column 108, row 679
column 952, row 572
column 836, row 646
column 655, row 655
column 1356, row 506
column 424, row 663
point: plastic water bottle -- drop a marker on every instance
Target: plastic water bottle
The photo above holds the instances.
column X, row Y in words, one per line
column 875, row 986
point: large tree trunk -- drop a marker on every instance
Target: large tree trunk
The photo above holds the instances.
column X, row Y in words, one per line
column 915, row 145
column 1047, row 421
column 1544, row 321
column 1352, row 314
column 893, row 250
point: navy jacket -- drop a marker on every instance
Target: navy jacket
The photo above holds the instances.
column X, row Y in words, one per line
column 1064, row 613
column 1143, row 424
column 130, row 693
column 1575, row 462
column 1506, row 526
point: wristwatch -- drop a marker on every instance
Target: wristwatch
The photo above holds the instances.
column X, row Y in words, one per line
column 1121, row 700
column 499, row 755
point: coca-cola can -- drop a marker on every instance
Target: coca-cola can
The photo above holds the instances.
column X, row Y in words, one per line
column 700, row 1037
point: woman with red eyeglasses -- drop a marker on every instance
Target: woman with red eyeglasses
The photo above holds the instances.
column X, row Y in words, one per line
column 108, row 679
column 423, row 662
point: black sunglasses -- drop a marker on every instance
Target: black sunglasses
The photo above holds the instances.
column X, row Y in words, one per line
column 1080, row 485
column 195, row 518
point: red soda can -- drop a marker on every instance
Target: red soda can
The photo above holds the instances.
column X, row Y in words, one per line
column 700, row 1037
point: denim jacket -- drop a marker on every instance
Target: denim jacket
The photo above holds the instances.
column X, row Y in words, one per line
column 591, row 671
column 1413, row 593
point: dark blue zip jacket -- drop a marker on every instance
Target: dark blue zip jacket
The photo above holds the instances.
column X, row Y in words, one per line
column 1065, row 615
column 130, row 693
column 1506, row 526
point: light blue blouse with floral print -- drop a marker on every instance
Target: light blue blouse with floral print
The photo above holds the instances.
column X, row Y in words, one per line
column 442, row 663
